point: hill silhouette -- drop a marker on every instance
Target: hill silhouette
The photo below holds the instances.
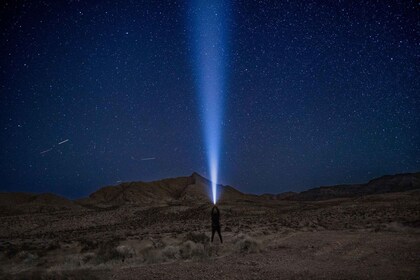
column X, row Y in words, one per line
column 194, row 189
column 384, row 184
column 191, row 189
column 19, row 203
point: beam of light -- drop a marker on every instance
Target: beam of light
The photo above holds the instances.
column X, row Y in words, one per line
column 210, row 32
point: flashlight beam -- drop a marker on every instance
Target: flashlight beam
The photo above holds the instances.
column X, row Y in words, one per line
column 210, row 53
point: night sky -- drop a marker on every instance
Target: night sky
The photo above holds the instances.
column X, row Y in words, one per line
column 316, row 94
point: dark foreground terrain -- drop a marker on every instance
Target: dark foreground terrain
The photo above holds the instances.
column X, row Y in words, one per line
column 125, row 232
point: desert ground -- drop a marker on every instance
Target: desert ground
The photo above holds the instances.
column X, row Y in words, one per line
column 122, row 233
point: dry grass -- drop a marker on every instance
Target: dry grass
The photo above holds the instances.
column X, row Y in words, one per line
column 64, row 244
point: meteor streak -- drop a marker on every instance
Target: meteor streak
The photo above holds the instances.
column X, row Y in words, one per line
column 46, row 151
column 52, row 148
column 62, row 142
column 210, row 32
column 148, row 158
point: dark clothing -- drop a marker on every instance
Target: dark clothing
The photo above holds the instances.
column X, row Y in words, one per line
column 213, row 231
column 215, row 223
column 215, row 220
column 215, row 217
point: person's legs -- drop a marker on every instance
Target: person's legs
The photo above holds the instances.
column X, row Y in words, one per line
column 213, row 230
column 220, row 235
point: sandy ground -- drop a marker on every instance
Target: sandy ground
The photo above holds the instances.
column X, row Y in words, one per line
column 302, row 255
column 374, row 237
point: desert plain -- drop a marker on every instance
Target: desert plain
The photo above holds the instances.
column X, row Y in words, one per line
column 161, row 230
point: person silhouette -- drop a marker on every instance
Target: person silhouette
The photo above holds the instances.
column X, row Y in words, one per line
column 215, row 223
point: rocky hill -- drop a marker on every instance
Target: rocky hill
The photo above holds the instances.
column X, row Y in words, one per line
column 196, row 189
column 20, row 203
column 193, row 189
column 384, row 184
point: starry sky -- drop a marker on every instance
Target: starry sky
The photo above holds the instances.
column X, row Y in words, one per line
column 97, row 92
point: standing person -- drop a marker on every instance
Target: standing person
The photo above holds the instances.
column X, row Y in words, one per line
column 215, row 223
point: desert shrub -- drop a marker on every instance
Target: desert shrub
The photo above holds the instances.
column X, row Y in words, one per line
column 26, row 257
column 87, row 257
column 107, row 251
column 70, row 262
column 171, row 252
column 88, row 245
column 247, row 244
column 191, row 250
column 395, row 227
column 52, row 275
column 151, row 255
column 125, row 251
column 197, row 237
column 75, row 261
column 52, row 246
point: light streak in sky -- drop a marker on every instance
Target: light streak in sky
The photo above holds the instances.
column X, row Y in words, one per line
column 143, row 159
column 52, row 148
column 62, row 142
column 148, row 158
column 46, row 151
column 210, row 53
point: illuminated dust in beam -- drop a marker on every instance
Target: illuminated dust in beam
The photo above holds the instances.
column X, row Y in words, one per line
column 210, row 55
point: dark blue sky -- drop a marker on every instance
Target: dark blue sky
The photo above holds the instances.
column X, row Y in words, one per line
column 316, row 94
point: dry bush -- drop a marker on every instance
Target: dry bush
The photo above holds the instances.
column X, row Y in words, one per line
column 193, row 247
column 228, row 229
column 70, row 262
column 197, row 237
column 247, row 244
column 53, row 246
column 187, row 250
column 26, row 257
column 52, row 275
column 192, row 250
column 171, row 252
column 88, row 257
column 108, row 251
column 125, row 251
column 88, row 245
column 151, row 254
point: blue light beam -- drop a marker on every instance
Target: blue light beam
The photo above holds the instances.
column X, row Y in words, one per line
column 210, row 32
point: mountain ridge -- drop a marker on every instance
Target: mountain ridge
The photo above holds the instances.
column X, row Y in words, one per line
column 384, row 184
column 196, row 189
